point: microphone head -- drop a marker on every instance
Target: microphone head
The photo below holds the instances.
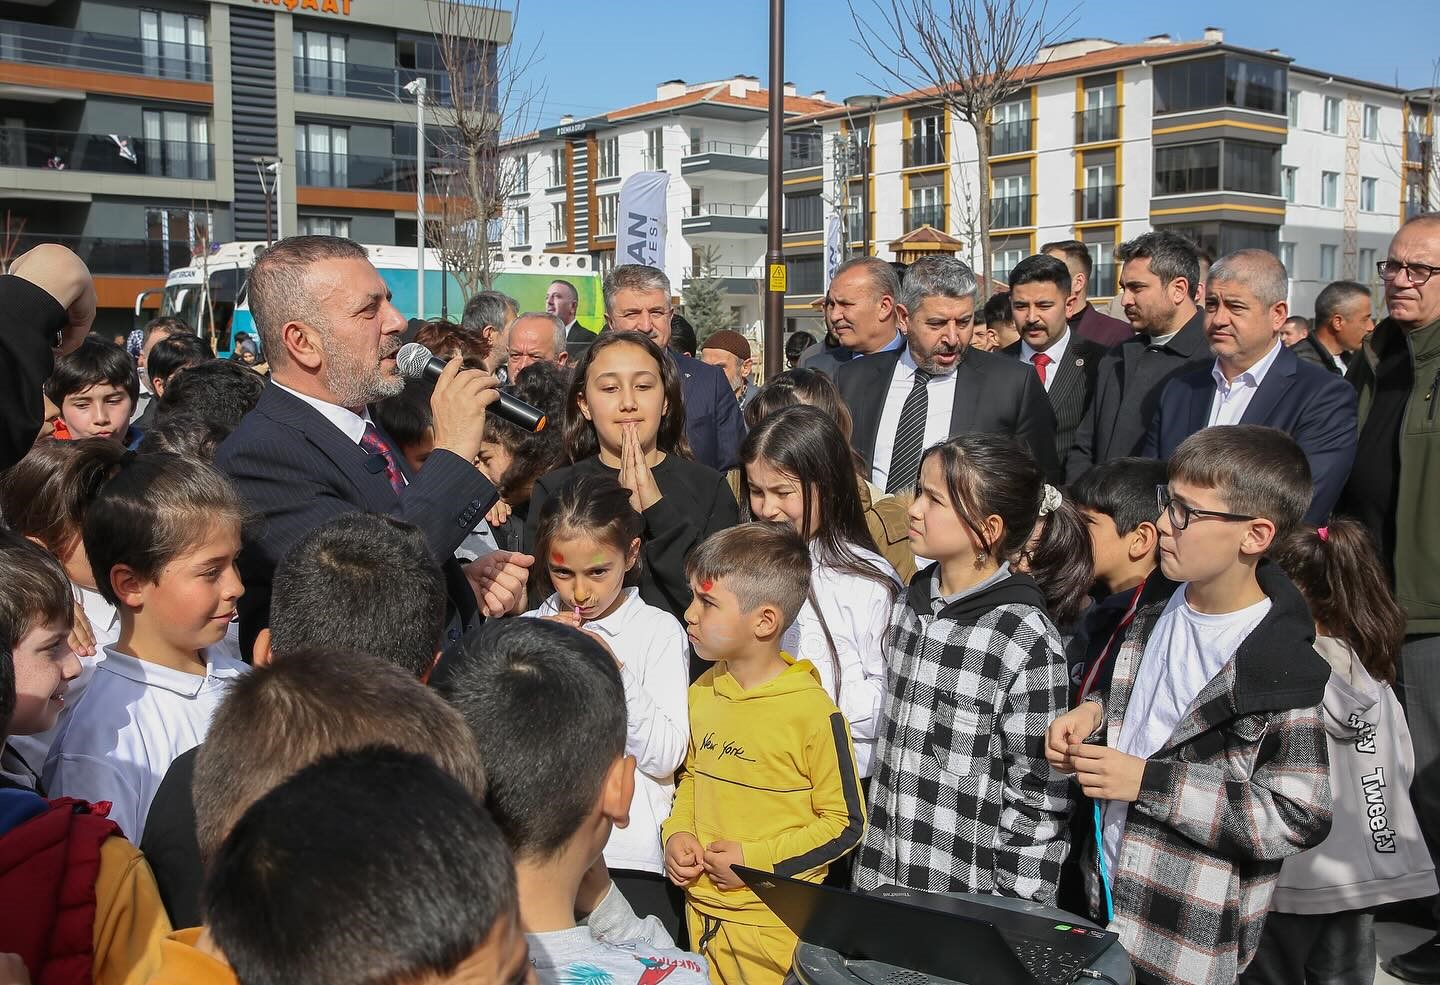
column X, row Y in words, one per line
column 412, row 359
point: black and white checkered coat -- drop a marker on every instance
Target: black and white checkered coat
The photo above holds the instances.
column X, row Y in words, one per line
column 1242, row 783
column 962, row 798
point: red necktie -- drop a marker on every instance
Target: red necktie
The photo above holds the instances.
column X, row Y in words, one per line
column 1040, row 361
column 376, row 445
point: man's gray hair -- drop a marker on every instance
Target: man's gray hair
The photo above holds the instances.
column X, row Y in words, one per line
column 936, row 276
column 634, row 277
column 1171, row 257
column 884, row 282
column 556, row 324
column 278, row 287
column 487, row 308
column 1258, row 270
column 1338, row 296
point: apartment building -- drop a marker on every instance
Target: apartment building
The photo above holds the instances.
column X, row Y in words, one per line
column 136, row 132
column 710, row 137
column 1232, row 147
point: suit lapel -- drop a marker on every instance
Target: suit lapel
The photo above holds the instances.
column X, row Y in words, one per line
column 872, row 387
column 1200, row 393
column 1272, row 389
column 348, row 457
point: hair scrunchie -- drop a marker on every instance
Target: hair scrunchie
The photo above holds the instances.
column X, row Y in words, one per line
column 1052, row 500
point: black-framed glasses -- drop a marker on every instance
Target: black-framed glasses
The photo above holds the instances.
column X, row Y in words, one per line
column 1418, row 273
column 1181, row 514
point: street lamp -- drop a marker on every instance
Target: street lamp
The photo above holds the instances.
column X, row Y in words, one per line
column 439, row 171
column 270, row 166
column 865, row 104
column 417, row 89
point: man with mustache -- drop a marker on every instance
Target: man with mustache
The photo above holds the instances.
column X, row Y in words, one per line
column 1158, row 282
column 310, row 450
column 903, row 401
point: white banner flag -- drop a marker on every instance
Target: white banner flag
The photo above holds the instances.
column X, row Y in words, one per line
column 642, row 219
column 834, row 247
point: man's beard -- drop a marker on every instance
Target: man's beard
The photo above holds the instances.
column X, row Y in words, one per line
column 353, row 384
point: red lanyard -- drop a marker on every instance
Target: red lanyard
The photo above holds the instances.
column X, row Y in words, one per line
column 1125, row 621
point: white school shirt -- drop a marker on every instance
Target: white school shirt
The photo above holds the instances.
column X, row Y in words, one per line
column 1056, row 352
column 1184, row 653
column 857, row 613
column 654, row 656
column 1232, row 397
column 136, row 719
column 941, row 393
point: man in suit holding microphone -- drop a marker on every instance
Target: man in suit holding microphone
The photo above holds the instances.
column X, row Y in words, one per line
column 310, row 450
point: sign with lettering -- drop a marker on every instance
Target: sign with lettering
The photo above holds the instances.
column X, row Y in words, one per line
column 338, row 7
column 643, row 219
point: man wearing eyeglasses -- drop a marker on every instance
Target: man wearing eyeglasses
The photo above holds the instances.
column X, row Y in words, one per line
column 1395, row 489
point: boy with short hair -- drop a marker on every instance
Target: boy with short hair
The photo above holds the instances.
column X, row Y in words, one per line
column 95, row 388
column 770, row 758
column 67, row 875
column 1214, row 765
column 368, row 867
column 547, row 707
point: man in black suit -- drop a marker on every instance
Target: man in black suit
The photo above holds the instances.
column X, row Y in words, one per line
column 562, row 300
column 310, row 451
column 1255, row 379
column 1158, row 281
column 860, row 311
column 1344, row 319
column 1064, row 362
column 1085, row 321
column 637, row 299
column 904, row 401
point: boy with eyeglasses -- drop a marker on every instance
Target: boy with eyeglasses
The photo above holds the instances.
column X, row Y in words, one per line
column 1208, row 752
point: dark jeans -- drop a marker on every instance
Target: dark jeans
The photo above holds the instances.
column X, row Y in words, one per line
column 1318, row 949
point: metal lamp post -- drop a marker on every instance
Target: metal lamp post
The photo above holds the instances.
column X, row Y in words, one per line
column 417, row 89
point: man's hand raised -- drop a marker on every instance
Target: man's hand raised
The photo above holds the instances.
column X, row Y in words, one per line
column 499, row 579
column 458, row 408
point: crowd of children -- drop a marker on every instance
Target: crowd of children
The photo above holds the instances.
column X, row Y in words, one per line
column 1155, row 698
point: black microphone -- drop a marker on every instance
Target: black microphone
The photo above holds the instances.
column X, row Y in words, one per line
column 416, row 362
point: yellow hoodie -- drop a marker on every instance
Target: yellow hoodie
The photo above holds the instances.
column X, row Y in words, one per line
column 773, row 769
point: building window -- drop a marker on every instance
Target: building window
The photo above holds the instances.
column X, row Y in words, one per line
column 1371, row 128
column 521, row 228
column 320, row 62
column 1012, row 131
column 927, row 141
column 1367, row 194
column 1327, row 262
column 604, row 262
column 324, row 225
column 321, row 153
column 1004, row 261
column 1292, row 107
column 1187, row 168
column 176, row 145
column 1219, row 238
column 1010, row 202
column 1329, row 189
column 1287, row 258
column 805, row 273
column 607, row 152
column 1287, row 183
column 1332, row 114
column 557, row 168
column 697, row 140
column 1367, row 266
column 1104, row 278
column 1098, row 198
column 173, row 45
column 1100, row 120
column 522, row 174
column 557, row 223
column 175, row 236
column 1253, row 168
column 1228, row 80
column 607, row 205
column 804, row 212
column 655, row 149
column 927, row 208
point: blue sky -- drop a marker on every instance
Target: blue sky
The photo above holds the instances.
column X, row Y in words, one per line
column 595, row 55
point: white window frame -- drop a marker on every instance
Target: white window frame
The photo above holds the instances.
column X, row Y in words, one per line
column 1329, row 254
column 1369, row 190
column 606, row 207
column 1287, row 258
column 1329, row 189
column 1292, row 106
column 557, row 222
column 1289, row 180
column 607, row 158
column 325, row 225
column 1370, row 122
column 521, row 227
column 1330, row 123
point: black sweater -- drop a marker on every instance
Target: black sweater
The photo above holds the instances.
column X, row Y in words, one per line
column 32, row 317
column 695, row 502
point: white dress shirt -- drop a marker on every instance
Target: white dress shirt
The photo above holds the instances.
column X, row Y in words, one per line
column 1233, row 396
column 941, row 392
column 1056, row 352
column 351, row 424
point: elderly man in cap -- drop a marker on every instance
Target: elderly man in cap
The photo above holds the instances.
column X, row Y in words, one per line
column 730, row 351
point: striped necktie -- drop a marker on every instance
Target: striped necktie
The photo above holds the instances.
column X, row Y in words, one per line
column 909, row 436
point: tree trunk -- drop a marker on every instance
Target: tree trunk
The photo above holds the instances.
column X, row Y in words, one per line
column 982, row 162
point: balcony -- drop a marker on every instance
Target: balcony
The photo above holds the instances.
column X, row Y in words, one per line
column 925, row 215
column 356, row 80
column 316, row 169
column 722, row 157
column 803, row 150
column 110, row 256
column 67, row 150
column 1014, row 137
column 724, row 220
column 63, row 47
column 734, row 278
column 1012, row 212
column 1099, row 202
column 924, row 150
column 1093, row 126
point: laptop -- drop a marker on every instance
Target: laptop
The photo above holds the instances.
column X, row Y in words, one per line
column 941, row 936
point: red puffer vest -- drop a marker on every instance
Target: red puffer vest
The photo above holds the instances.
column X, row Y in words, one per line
column 48, row 865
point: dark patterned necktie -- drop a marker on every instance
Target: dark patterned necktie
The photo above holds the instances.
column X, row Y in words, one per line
column 376, row 445
column 909, row 436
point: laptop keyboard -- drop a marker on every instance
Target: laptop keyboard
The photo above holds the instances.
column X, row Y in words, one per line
column 1049, row 964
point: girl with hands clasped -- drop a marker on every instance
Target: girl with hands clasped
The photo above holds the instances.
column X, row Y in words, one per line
column 624, row 418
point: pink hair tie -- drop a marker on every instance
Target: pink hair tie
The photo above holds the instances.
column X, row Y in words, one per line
column 1324, row 534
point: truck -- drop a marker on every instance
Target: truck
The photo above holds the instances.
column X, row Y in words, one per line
column 209, row 294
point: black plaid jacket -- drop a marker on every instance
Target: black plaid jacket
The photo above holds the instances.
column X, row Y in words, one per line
column 962, row 798
column 1242, row 783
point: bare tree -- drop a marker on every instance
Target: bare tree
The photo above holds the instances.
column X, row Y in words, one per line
column 973, row 54
column 487, row 95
